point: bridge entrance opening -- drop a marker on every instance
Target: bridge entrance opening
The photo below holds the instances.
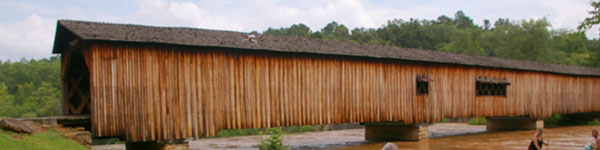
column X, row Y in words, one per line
column 76, row 92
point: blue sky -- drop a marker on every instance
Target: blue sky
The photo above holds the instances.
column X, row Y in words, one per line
column 27, row 26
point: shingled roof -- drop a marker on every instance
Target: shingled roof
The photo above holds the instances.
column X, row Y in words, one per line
column 96, row 31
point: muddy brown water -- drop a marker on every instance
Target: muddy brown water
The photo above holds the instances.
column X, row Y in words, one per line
column 445, row 136
column 561, row 138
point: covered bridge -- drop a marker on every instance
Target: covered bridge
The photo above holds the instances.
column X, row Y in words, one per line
column 162, row 83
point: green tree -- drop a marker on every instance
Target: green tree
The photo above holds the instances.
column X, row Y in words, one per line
column 594, row 48
column 486, row 25
column 298, row 30
column 335, row 31
column 594, row 19
column 524, row 40
column 466, row 42
column 527, row 40
column 443, row 19
column 364, row 35
column 6, row 102
column 30, row 88
column 571, row 48
column 463, row 21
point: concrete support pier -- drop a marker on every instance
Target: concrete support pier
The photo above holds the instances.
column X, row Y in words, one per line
column 391, row 131
column 513, row 123
column 171, row 145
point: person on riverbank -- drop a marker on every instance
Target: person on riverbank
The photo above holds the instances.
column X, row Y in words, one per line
column 537, row 141
column 592, row 145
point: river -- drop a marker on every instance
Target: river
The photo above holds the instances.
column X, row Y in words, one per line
column 444, row 136
column 573, row 137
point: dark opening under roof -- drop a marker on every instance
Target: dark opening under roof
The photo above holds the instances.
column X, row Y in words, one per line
column 94, row 31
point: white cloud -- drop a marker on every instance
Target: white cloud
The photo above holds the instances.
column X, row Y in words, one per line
column 248, row 15
column 30, row 38
column 158, row 12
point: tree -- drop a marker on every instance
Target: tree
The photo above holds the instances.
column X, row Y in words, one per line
column 30, row 88
column 571, row 48
column 299, row 30
column 593, row 47
column 335, row 31
column 463, row 21
column 594, row 19
column 524, row 40
column 364, row 35
column 466, row 42
column 486, row 24
column 502, row 22
column 6, row 102
column 443, row 19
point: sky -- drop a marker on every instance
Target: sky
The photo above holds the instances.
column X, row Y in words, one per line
column 27, row 27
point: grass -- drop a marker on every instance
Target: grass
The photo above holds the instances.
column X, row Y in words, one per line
column 444, row 120
column 478, row 121
column 49, row 140
column 257, row 131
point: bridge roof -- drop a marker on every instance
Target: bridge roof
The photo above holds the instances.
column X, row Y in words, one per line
column 97, row 31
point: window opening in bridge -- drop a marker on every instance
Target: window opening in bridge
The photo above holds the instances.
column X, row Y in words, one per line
column 423, row 84
column 491, row 86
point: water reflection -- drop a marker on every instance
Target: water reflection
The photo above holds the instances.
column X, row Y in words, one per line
column 574, row 137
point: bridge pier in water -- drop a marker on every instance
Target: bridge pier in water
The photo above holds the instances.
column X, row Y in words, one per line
column 154, row 145
column 513, row 123
column 392, row 131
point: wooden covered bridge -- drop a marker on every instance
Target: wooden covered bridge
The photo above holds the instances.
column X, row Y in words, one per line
column 162, row 83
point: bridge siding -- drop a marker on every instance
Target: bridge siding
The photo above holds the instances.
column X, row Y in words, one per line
column 160, row 92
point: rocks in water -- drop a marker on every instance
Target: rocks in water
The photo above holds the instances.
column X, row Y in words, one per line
column 17, row 126
column 389, row 146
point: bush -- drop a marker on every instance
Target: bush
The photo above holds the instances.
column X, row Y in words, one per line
column 555, row 119
column 571, row 119
column 274, row 142
column 478, row 121
column 594, row 122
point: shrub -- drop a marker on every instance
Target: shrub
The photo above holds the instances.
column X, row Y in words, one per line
column 274, row 142
column 478, row 121
column 594, row 122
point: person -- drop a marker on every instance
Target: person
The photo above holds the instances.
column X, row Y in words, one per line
column 389, row 146
column 592, row 145
column 537, row 141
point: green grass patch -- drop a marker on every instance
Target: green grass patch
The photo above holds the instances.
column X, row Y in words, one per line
column 444, row 120
column 239, row 132
column 49, row 140
column 257, row 131
column 478, row 121
column 306, row 128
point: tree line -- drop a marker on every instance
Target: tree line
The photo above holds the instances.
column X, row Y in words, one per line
column 31, row 88
column 531, row 39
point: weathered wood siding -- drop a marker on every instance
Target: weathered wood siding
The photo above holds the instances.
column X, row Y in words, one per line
column 155, row 92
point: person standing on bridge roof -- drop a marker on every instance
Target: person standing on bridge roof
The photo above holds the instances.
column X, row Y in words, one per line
column 537, row 141
column 592, row 145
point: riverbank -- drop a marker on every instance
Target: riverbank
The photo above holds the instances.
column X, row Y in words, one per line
column 43, row 140
column 314, row 140
column 443, row 136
